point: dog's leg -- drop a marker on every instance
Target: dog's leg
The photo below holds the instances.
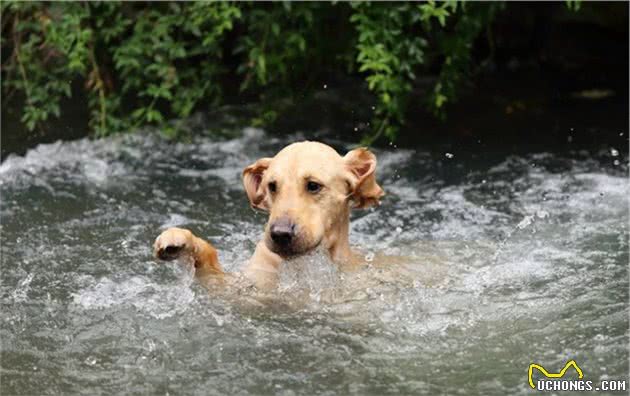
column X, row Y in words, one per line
column 178, row 242
column 262, row 268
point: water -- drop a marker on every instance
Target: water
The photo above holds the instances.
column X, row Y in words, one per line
column 513, row 260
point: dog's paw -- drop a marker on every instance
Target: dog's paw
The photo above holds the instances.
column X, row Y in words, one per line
column 173, row 243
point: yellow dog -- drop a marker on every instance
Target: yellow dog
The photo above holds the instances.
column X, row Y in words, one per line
column 308, row 190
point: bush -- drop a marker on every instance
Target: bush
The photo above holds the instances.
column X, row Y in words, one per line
column 143, row 63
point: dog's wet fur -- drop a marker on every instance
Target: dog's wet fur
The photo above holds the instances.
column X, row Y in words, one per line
column 308, row 189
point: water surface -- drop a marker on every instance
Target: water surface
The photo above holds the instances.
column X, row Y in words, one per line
column 514, row 259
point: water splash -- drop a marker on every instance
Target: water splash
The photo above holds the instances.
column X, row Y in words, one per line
column 497, row 264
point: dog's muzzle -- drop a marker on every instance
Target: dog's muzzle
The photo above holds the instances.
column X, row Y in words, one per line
column 283, row 232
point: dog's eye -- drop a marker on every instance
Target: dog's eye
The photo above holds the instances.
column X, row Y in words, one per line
column 272, row 187
column 313, row 187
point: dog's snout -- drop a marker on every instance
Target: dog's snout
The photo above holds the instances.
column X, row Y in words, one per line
column 282, row 232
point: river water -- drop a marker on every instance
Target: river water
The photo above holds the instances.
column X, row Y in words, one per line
column 511, row 260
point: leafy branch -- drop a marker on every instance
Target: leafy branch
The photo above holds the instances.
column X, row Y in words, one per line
column 145, row 63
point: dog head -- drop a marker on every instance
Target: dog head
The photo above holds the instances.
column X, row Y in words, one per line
column 308, row 190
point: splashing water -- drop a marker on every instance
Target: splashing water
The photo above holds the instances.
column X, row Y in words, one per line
column 505, row 264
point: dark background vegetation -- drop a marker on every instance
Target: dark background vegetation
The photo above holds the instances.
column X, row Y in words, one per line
column 474, row 75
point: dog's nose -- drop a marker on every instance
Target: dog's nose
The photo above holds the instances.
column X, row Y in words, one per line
column 282, row 232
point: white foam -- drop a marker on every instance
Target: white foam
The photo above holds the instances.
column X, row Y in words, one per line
column 158, row 301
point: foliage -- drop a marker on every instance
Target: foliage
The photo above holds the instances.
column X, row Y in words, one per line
column 392, row 46
column 574, row 5
column 144, row 63
column 455, row 49
column 137, row 62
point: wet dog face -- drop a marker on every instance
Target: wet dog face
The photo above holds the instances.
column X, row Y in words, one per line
column 308, row 190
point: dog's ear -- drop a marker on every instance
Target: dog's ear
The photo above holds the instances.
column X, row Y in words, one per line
column 361, row 164
column 252, row 178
